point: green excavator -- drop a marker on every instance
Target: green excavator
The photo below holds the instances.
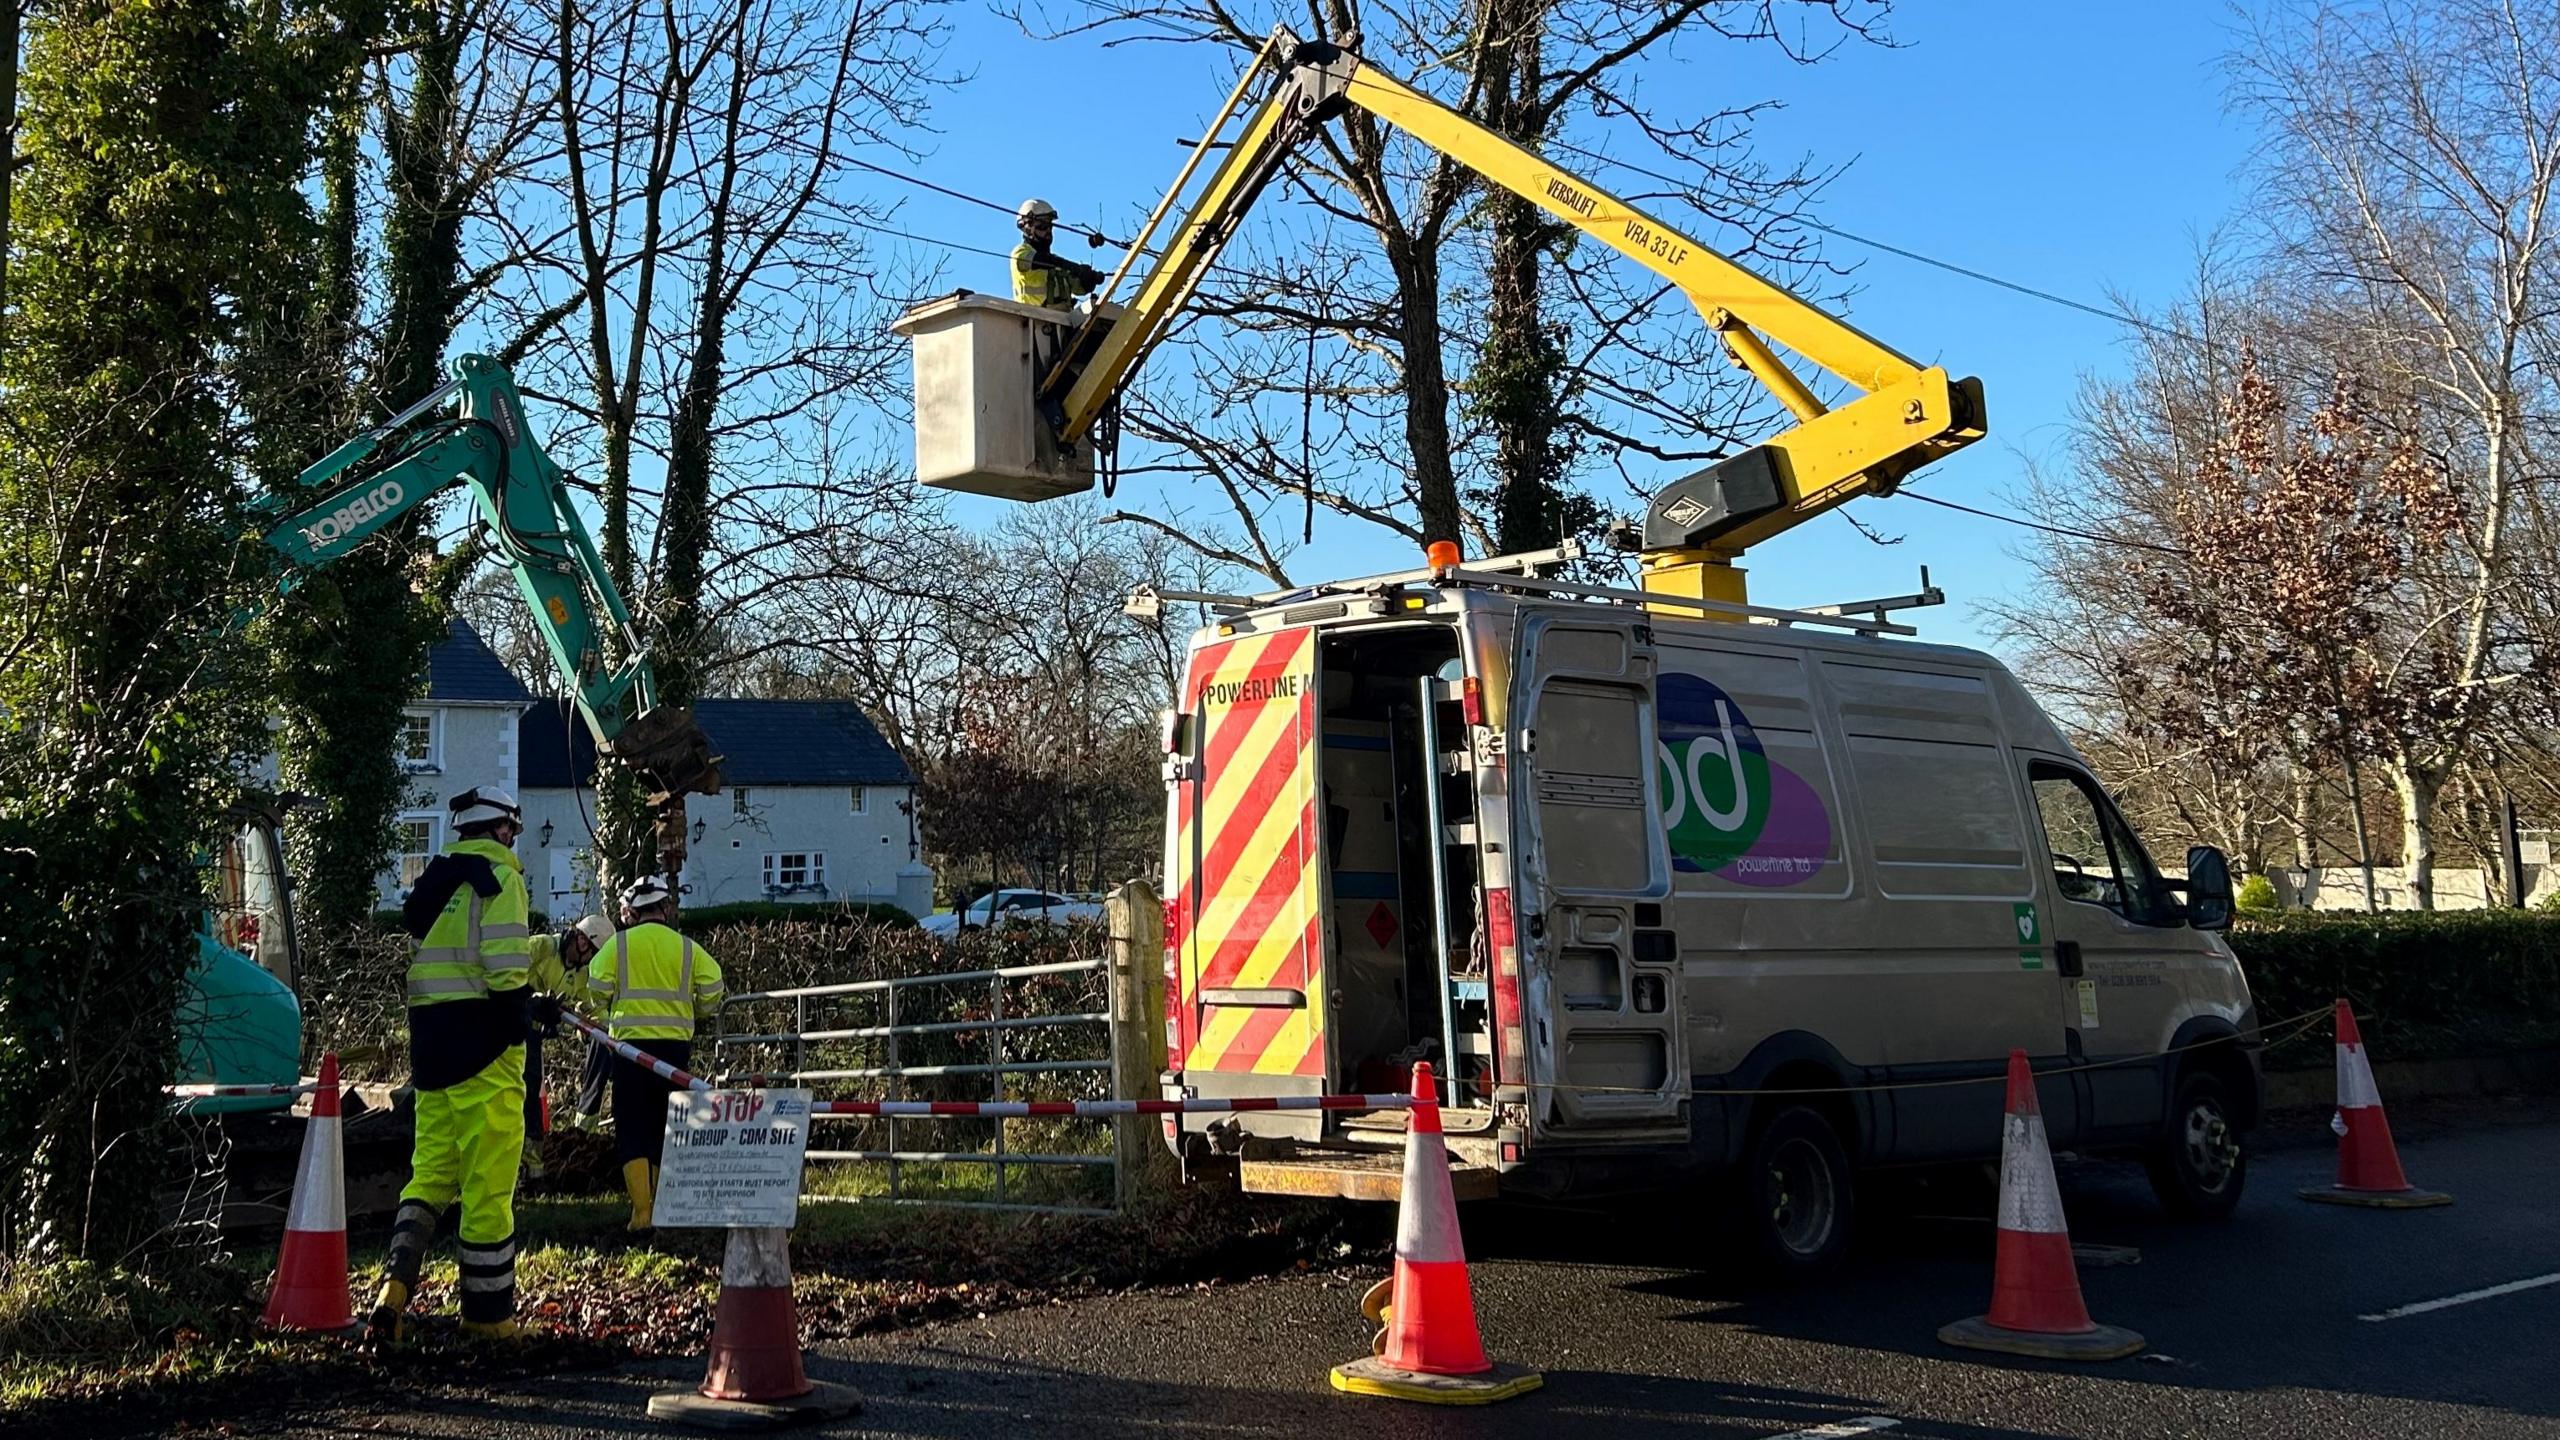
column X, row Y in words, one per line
column 241, row 1027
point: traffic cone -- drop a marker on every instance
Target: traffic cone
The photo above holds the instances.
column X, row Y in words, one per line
column 1431, row 1351
column 310, row 1290
column 755, row 1379
column 2035, row 1288
column 2368, row 1163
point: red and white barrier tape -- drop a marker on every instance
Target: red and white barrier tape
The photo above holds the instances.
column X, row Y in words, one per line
column 1020, row 1109
column 228, row 1092
column 1098, row 1109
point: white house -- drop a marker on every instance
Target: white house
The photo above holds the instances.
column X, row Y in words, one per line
column 818, row 806
column 462, row 733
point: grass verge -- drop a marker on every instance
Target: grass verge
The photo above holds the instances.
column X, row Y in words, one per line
column 92, row 1347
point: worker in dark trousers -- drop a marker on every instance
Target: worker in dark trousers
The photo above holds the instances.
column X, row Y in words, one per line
column 559, row 968
column 655, row 988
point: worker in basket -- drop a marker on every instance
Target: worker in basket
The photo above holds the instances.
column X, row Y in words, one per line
column 1041, row 277
column 470, row 1001
column 654, row 988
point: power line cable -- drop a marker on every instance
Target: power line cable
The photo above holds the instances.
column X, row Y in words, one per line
column 2089, row 535
column 1951, row 267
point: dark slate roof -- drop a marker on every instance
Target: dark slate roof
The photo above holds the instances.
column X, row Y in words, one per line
column 760, row 742
column 461, row 669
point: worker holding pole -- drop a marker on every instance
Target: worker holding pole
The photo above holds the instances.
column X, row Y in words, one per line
column 654, row 988
column 559, row 969
column 470, row 996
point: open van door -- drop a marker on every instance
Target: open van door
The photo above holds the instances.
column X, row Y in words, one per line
column 1247, row 904
column 1602, row 980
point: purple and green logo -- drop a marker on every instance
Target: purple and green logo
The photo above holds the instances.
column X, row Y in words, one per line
column 1728, row 808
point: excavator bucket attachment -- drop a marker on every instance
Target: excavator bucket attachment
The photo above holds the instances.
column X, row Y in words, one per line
column 669, row 752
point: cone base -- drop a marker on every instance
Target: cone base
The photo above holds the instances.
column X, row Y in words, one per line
column 2409, row 1199
column 352, row 1330
column 1371, row 1376
column 2105, row 1342
column 692, row 1407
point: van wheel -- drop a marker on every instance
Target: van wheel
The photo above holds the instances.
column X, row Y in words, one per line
column 2197, row 1166
column 1797, row 1198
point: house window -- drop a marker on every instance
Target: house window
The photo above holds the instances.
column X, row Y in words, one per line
column 790, row 870
column 417, row 845
column 861, row 800
column 418, row 741
column 738, row 800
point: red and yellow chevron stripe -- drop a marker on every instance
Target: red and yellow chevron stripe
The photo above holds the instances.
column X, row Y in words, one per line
column 1247, row 847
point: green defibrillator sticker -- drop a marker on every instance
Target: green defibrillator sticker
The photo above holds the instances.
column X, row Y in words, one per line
column 2030, row 941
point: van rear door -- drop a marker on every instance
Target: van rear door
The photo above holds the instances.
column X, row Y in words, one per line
column 1244, row 869
column 1605, row 994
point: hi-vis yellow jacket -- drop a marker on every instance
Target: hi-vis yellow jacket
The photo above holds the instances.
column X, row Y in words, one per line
column 477, row 944
column 654, row 984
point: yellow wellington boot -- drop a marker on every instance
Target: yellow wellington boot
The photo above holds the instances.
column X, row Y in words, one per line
column 639, row 1177
column 506, row 1329
column 390, row 1314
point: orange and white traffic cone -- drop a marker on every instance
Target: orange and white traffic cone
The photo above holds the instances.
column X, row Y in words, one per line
column 2036, row 1307
column 2369, row 1171
column 755, row 1379
column 310, row 1290
column 1431, row 1351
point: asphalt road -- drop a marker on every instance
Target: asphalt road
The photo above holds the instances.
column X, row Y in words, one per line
column 2254, row 1328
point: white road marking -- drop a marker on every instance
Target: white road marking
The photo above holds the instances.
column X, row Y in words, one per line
column 2465, row 1298
column 1863, row 1425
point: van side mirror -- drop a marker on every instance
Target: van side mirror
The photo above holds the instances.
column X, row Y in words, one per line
column 2209, row 897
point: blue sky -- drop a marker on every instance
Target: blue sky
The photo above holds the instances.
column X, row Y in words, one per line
column 2079, row 149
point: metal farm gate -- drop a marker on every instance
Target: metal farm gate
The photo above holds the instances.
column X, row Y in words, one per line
column 1023, row 1032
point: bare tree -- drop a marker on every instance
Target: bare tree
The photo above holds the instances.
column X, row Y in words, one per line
column 2413, row 155
column 709, row 218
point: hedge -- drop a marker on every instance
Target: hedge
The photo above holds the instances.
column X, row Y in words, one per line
column 702, row 920
column 2424, row 984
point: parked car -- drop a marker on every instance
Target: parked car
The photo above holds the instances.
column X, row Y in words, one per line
column 1012, row 907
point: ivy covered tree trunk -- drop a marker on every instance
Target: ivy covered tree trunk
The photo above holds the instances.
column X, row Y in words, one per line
column 1516, row 387
column 352, row 647
column 158, row 152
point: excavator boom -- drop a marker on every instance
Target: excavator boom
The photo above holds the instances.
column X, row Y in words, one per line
column 524, row 502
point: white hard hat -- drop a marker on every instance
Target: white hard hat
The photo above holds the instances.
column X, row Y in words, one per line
column 596, row 928
column 1035, row 209
column 646, row 891
column 482, row 804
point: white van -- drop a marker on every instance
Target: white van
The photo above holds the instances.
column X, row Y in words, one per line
column 1663, row 896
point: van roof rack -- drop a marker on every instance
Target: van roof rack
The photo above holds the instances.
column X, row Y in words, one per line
column 1620, row 595
column 1147, row 601
column 1520, row 572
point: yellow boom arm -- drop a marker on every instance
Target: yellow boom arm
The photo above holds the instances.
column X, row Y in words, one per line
column 1904, row 415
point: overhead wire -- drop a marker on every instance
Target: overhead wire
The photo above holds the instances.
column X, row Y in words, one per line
column 1917, row 257
column 2050, row 529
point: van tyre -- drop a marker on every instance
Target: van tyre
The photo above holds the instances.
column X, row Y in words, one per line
column 2197, row 1165
column 1797, row 1200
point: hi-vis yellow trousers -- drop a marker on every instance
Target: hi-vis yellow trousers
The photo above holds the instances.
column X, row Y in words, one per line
column 470, row 1143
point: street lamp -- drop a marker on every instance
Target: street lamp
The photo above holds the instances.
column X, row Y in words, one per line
column 545, row 833
column 700, row 829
